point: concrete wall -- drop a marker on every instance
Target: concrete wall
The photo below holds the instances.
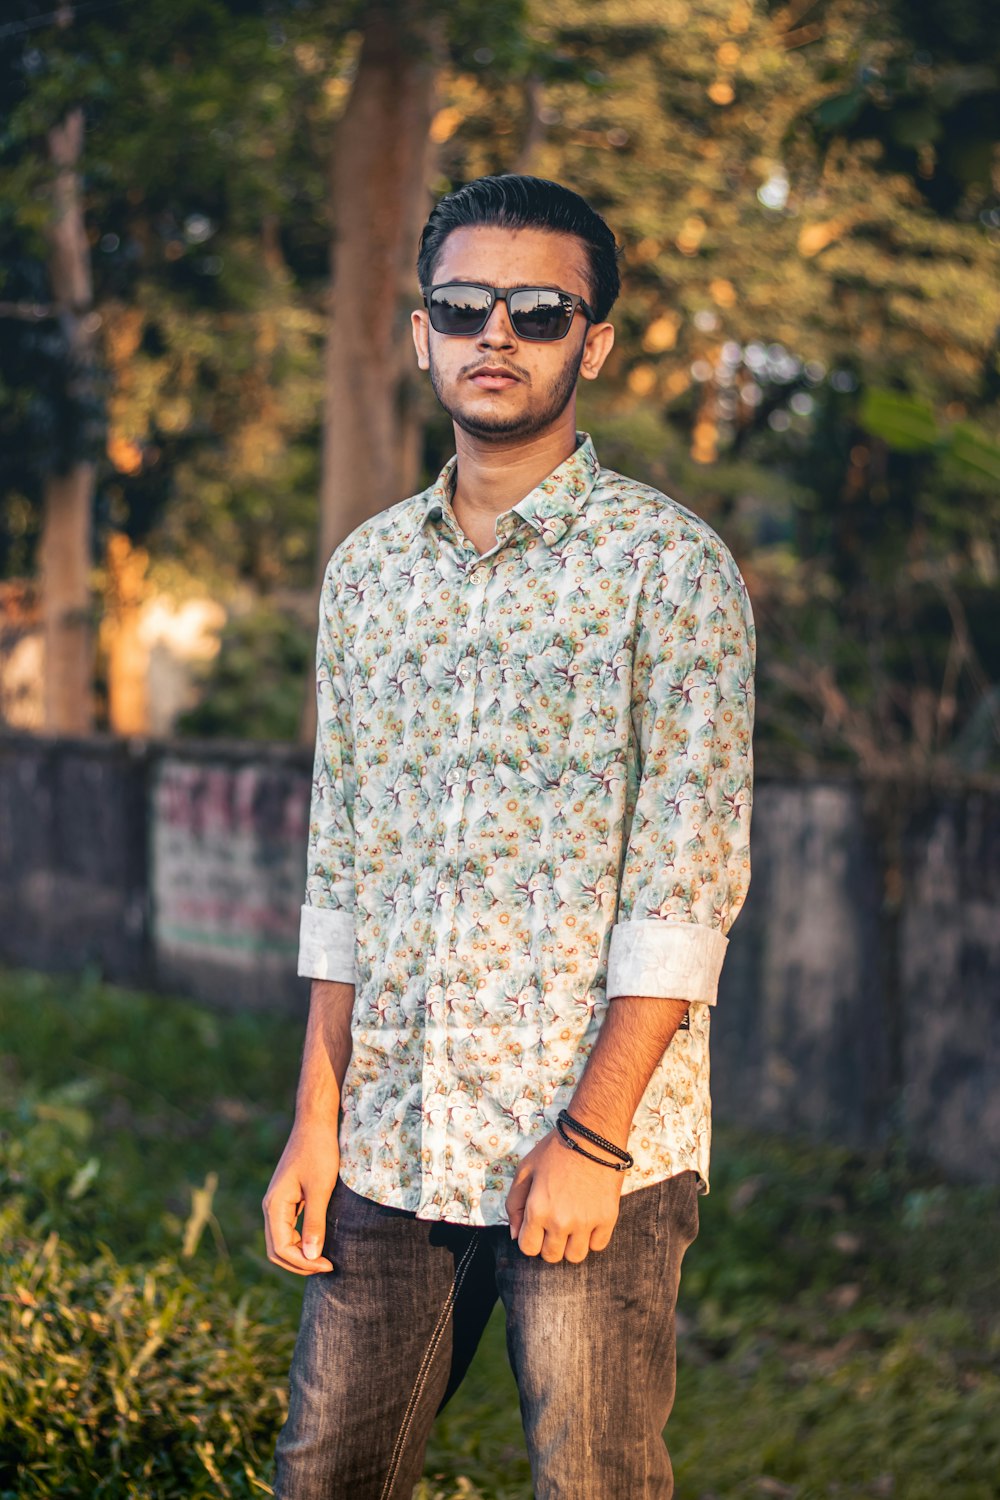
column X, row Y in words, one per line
column 73, row 855
column 227, row 875
column 801, row 1036
column 860, row 995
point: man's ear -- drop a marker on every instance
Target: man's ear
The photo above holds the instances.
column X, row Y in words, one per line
column 419, row 327
column 600, row 338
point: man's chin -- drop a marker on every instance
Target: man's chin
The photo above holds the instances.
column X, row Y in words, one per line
column 498, row 423
column 496, row 426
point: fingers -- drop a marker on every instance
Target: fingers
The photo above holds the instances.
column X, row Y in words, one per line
column 516, row 1199
column 286, row 1252
column 541, row 1236
column 531, row 1236
column 559, row 1213
column 553, row 1245
column 284, row 1243
column 314, row 1227
column 600, row 1237
column 577, row 1246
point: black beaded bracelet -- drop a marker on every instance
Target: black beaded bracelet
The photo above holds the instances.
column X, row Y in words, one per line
column 564, row 1119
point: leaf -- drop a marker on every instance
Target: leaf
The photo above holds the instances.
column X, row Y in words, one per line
column 201, row 1214
column 839, row 110
column 905, row 422
column 83, row 1178
column 972, row 449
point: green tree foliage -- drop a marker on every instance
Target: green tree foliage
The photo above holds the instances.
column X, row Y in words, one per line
column 807, row 342
column 251, row 689
column 807, row 339
column 205, row 198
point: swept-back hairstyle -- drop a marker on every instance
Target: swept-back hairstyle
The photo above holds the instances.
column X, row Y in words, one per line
column 513, row 201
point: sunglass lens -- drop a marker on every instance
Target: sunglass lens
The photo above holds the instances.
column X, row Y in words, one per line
column 540, row 313
column 459, row 309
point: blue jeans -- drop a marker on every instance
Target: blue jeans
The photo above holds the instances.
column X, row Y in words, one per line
column 387, row 1336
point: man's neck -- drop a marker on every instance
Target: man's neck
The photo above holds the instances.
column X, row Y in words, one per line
column 490, row 477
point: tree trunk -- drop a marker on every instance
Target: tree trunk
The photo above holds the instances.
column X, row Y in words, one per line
column 64, row 546
column 379, row 195
column 379, row 187
column 126, row 654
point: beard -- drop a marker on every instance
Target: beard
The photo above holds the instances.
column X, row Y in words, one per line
column 520, row 424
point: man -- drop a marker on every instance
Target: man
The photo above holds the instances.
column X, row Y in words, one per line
column 529, row 837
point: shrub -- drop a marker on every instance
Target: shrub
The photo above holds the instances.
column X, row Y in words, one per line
column 118, row 1379
column 153, row 1379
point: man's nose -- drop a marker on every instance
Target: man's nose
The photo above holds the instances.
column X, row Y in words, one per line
column 498, row 331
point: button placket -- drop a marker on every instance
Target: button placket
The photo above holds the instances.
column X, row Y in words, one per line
column 474, row 588
column 474, row 595
column 437, row 1070
column 476, row 583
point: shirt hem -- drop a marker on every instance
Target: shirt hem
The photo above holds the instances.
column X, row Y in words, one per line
column 431, row 1214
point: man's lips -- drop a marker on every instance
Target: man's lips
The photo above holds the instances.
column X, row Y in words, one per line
column 493, row 380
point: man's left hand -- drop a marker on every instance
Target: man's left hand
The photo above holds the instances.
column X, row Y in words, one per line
column 561, row 1205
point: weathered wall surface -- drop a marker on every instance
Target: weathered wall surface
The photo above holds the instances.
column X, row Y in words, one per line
column 949, row 955
column 227, row 875
column 73, row 855
column 801, row 1036
column 860, row 994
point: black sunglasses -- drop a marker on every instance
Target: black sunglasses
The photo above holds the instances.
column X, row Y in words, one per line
column 535, row 312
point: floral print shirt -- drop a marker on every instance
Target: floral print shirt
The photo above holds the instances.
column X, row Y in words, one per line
column 531, row 794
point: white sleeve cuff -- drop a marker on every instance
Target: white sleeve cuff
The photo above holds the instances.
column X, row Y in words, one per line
column 667, row 960
column 326, row 944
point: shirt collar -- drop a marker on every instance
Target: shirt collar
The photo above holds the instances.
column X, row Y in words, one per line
column 551, row 507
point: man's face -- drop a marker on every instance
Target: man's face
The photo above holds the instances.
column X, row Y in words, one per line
column 544, row 374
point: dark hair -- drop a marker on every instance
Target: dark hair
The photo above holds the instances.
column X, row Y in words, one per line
column 511, row 201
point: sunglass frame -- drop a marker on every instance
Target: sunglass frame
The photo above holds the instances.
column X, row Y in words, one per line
column 496, row 294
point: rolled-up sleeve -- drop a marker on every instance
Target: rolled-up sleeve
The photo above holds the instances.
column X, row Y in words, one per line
column 686, row 868
column 326, row 933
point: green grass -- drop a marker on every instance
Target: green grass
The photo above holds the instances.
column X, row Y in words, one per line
column 839, row 1319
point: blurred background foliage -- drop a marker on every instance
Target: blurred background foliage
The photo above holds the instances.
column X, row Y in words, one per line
column 808, row 197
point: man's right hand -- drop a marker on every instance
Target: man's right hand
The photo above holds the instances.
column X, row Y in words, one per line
column 302, row 1183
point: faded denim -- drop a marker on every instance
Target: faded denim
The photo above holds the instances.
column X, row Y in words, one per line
column 387, row 1336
